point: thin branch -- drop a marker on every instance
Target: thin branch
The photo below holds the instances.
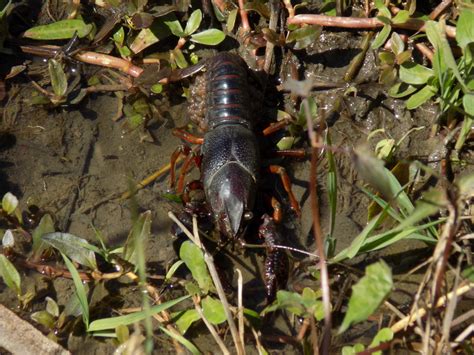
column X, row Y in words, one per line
column 409, row 320
column 211, row 328
column 438, row 10
column 361, row 23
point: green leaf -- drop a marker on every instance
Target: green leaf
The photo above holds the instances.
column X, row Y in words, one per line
column 465, row 184
column 368, row 294
column 400, row 90
column 182, row 340
column 401, row 17
column 194, row 260
column 383, row 335
column 9, row 203
column 185, row 319
column 443, row 54
column 175, row 28
column 64, row 29
column 76, row 248
column 397, row 44
column 421, row 97
column 353, row 350
column 468, row 273
column 431, row 202
column 45, row 226
column 209, row 37
column 415, row 74
column 381, row 37
column 141, row 231
column 10, row 275
column 52, row 307
column 58, row 77
column 114, row 322
column 313, row 111
column 43, row 318
column 179, row 58
column 213, row 310
column 231, row 20
column 354, row 247
column 465, row 28
column 80, row 290
column 173, row 269
column 304, row 36
column 286, row 143
column 193, row 23
column 468, row 103
column 373, row 171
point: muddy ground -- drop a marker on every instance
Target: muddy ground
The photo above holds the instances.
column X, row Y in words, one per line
column 66, row 159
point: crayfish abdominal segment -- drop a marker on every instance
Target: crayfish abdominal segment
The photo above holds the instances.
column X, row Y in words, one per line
column 230, row 156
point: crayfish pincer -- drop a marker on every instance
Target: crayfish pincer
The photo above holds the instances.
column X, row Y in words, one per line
column 229, row 158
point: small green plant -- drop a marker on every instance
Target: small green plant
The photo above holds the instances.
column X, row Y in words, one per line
column 451, row 80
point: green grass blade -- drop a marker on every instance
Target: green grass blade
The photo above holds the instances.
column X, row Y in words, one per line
column 80, row 290
column 182, row 340
column 113, row 322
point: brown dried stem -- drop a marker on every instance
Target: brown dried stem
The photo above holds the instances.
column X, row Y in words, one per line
column 438, row 10
column 317, row 232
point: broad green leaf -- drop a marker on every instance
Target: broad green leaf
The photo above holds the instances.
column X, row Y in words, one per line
column 368, row 294
column 114, row 322
column 45, row 226
column 213, row 310
column 381, row 37
column 185, row 319
column 175, row 28
column 400, row 90
column 468, row 273
column 209, row 37
column 383, row 335
column 58, row 77
column 43, row 318
column 465, row 27
column 179, row 58
column 144, row 39
column 415, row 74
column 401, row 17
column 122, row 333
column 193, row 23
column 420, row 97
column 468, row 103
column 194, row 260
column 119, row 36
column 8, row 240
column 304, row 36
column 465, row 184
column 397, row 44
column 52, row 307
column 76, row 248
column 286, row 143
column 10, row 275
column 63, row 29
column 353, row 350
column 141, row 231
column 313, row 111
column 231, row 20
column 9, row 203
column 373, row 171
column 80, row 290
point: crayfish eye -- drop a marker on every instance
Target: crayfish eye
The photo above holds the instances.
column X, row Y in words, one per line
column 248, row 215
